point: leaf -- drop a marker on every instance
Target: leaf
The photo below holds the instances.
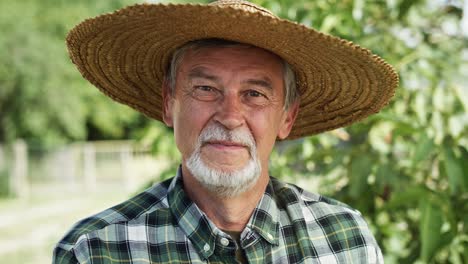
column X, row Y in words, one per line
column 430, row 228
column 464, row 156
column 461, row 90
column 438, row 126
column 405, row 198
column 405, row 7
column 422, row 150
column 380, row 136
column 329, row 23
column 454, row 170
column 458, row 124
column 359, row 170
column 385, row 175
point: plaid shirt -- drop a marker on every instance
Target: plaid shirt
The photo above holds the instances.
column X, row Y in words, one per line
column 162, row 225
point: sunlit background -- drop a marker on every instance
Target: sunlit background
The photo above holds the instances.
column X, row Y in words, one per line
column 67, row 151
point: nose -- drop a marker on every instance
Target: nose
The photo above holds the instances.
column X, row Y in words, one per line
column 230, row 113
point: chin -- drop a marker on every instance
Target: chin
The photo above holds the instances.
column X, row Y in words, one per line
column 227, row 181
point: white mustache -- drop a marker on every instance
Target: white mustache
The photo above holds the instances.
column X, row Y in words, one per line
column 218, row 133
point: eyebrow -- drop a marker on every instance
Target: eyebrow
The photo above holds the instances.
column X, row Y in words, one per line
column 265, row 82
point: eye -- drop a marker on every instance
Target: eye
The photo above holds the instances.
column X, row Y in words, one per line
column 205, row 93
column 256, row 98
column 254, row 93
column 204, row 88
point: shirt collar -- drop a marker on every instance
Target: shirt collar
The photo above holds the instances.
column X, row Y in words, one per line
column 202, row 232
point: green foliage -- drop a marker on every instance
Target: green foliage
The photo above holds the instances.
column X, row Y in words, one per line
column 430, row 226
column 43, row 98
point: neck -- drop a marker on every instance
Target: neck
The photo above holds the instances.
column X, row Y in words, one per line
column 227, row 213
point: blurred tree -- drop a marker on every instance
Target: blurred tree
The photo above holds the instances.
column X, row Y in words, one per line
column 405, row 168
column 43, row 98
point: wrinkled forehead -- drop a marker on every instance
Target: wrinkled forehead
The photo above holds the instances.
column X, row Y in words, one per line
column 244, row 66
column 236, row 46
column 214, row 45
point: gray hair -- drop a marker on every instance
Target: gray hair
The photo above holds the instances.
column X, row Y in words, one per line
column 289, row 78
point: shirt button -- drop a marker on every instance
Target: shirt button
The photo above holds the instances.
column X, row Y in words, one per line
column 224, row 241
column 206, row 247
column 269, row 236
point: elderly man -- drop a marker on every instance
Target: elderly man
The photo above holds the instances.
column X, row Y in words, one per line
column 231, row 79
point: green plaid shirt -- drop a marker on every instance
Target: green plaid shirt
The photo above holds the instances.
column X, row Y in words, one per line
column 162, row 225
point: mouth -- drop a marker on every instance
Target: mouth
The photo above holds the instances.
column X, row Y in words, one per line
column 225, row 145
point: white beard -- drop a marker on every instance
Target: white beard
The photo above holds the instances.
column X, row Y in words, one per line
column 225, row 183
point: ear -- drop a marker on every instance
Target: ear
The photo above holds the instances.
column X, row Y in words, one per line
column 168, row 102
column 288, row 120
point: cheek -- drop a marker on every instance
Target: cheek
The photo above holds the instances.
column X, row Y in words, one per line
column 183, row 129
column 264, row 129
column 189, row 121
column 192, row 116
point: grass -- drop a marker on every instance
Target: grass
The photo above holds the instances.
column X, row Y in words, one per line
column 30, row 227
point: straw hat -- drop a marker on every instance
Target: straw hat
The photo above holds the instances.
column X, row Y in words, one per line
column 125, row 54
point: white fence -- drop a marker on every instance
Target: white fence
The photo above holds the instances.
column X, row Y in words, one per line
column 77, row 167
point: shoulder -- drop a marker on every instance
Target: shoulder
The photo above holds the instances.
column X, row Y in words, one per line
column 324, row 211
column 133, row 210
column 340, row 229
column 288, row 194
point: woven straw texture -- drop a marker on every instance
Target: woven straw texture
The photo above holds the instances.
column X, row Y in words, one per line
column 125, row 54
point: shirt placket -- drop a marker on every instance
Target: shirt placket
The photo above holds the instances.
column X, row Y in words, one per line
column 225, row 251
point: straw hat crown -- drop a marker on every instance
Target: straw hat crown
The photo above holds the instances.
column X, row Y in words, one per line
column 243, row 5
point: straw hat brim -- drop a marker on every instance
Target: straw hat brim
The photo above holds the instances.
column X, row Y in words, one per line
column 125, row 54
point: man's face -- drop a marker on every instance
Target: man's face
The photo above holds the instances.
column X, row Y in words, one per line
column 237, row 88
